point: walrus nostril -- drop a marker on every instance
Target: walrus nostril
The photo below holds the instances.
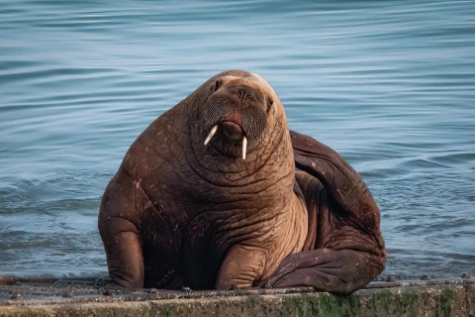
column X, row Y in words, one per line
column 242, row 93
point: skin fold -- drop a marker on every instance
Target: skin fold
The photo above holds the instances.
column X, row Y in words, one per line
column 235, row 211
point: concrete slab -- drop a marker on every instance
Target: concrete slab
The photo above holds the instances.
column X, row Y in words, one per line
column 89, row 297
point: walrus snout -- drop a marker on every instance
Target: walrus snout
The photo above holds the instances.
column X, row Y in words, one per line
column 232, row 130
column 249, row 117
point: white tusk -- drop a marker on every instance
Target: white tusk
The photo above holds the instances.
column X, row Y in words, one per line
column 244, row 148
column 210, row 135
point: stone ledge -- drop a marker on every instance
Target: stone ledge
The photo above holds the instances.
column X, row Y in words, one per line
column 433, row 299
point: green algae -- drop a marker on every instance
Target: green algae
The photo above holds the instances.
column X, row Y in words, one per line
column 444, row 302
column 384, row 302
column 165, row 310
column 404, row 304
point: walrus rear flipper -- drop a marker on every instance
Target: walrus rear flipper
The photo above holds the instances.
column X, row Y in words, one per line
column 340, row 272
column 349, row 248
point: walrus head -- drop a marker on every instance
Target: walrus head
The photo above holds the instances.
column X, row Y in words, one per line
column 238, row 114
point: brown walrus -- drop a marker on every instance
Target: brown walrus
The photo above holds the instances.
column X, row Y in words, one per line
column 208, row 197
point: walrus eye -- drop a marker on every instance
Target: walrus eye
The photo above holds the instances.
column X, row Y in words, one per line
column 217, row 84
column 270, row 103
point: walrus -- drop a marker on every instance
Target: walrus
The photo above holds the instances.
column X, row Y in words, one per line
column 208, row 197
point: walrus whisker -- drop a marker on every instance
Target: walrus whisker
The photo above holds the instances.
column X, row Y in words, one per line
column 244, row 148
column 211, row 134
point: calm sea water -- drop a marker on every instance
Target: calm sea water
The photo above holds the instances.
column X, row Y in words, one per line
column 388, row 84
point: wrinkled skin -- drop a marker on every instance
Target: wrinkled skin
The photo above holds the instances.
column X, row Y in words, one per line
column 181, row 213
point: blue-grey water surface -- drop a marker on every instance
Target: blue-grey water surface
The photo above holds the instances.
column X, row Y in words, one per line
column 388, row 84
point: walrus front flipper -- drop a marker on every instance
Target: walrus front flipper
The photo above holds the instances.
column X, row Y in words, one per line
column 121, row 237
column 241, row 267
column 124, row 252
column 349, row 248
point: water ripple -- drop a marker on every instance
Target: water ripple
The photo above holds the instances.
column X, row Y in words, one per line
column 390, row 85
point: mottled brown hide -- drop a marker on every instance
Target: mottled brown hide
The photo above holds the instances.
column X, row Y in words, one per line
column 208, row 197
